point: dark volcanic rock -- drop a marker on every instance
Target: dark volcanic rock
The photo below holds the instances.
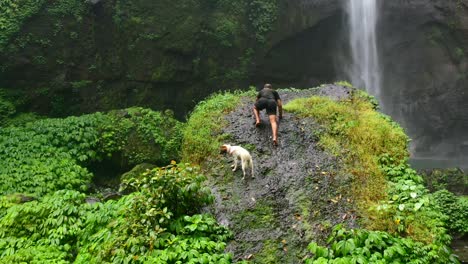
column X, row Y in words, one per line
column 298, row 192
column 423, row 48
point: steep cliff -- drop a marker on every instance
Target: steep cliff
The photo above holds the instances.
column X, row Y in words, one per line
column 424, row 53
column 73, row 56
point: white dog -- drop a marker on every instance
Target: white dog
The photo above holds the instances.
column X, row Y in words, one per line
column 241, row 153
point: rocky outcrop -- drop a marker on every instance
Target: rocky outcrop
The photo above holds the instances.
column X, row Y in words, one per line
column 299, row 191
column 424, row 51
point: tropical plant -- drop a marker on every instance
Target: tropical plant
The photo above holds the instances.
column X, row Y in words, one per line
column 51, row 154
column 363, row 246
column 158, row 223
column 456, row 209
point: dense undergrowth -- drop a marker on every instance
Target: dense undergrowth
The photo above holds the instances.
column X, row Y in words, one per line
column 52, row 154
column 145, row 226
column 46, row 215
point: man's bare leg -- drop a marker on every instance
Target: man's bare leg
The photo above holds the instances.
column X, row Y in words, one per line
column 274, row 128
column 257, row 116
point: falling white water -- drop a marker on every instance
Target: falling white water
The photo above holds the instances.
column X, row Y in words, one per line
column 364, row 71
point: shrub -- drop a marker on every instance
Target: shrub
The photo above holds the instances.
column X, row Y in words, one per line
column 157, row 223
column 42, row 231
column 143, row 135
column 456, row 209
column 363, row 246
column 52, row 154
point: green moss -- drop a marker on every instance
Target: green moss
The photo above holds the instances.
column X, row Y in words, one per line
column 202, row 135
column 269, row 252
column 305, row 207
column 357, row 133
column 344, row 83
column 165, row 72
column 261, row 216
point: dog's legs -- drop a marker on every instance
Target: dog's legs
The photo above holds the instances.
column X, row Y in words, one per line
column 234, row 166
column 243, row 168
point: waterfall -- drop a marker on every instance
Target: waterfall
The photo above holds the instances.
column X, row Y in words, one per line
column 364, row 70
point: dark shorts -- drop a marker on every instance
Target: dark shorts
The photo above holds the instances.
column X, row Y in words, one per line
column 268, row 104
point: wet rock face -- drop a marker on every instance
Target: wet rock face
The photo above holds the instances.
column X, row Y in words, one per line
column 424, row 56
column 297, row 194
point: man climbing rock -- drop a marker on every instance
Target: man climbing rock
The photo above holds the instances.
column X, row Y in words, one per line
column 270, row 100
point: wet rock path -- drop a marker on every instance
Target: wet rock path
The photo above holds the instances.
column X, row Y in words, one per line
column 298, row 193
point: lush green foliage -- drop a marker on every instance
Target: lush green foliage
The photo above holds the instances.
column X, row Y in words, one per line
column 6, row 109
column 13, row 15
column 51, row 154
column 362, row 246
column 156, row 224
column 409, row 209
column 456, row 209
column 152, row 224
column 42, row 231
column 452, row 179
column 262, row 16
column 202, row 135
column 75, row 8
column 44, row 156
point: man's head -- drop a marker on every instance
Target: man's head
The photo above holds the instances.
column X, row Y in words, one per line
column 267, row 85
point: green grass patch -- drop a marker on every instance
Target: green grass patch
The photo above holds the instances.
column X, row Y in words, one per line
column 358, row 134
column 202, row 135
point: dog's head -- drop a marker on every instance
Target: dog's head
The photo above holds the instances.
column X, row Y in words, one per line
column 224, row 148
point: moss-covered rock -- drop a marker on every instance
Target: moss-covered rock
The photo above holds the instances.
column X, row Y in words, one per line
column 137, row 171
column 339, row 161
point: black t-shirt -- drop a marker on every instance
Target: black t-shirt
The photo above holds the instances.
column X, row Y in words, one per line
column 268, row 94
